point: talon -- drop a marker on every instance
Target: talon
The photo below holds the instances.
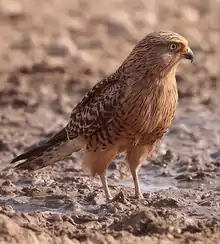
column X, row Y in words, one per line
column 139, row 197
column 109, row 200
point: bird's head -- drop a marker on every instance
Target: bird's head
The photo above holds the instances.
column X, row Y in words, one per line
column 160, row 52
column 166, row 47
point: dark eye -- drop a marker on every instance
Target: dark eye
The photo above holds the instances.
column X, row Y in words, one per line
column 173, row 46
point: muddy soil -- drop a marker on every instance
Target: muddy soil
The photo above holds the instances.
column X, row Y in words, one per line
column 51, row 53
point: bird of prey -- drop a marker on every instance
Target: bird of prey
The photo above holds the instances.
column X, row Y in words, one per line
column 128, row 111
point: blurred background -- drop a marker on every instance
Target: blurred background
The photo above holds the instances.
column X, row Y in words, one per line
column 52, row 52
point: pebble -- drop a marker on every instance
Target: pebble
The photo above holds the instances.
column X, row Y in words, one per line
column 62, row 46
column 11, row 8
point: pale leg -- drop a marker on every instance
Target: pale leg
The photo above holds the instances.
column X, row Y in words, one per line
column 134, row 158
column 138, row 193
column 105, row 186
column 97, row 163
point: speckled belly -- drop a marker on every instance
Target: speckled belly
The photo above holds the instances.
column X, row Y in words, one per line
column 140, row 120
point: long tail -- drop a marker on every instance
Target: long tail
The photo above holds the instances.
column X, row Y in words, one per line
column 55, row 149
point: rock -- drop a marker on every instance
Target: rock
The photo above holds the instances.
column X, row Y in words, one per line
column 62, row 46
column 11, row 8
column 9, row 230
column 25, row 42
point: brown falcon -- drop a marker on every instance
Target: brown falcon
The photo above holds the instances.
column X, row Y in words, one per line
column 128, row 111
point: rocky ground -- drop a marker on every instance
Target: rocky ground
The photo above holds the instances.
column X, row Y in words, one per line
column 51, row 53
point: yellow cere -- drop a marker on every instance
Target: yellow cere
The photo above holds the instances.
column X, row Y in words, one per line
column 185, row 48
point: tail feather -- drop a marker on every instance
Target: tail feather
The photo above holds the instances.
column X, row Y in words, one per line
column 55, row 149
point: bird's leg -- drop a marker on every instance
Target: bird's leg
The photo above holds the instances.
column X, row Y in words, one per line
column 134, row 156
column 97, row 162
column 105, row 186
column 138, row 193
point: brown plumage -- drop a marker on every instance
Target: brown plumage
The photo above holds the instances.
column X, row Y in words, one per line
column 129, row 111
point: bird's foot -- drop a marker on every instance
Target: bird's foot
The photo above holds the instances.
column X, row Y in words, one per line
column 109, row 199
column 139, row 196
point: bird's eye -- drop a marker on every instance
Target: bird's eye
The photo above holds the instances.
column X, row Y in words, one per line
column 173, row 46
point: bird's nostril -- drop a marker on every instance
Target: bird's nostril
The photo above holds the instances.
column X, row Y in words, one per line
column 189, row 54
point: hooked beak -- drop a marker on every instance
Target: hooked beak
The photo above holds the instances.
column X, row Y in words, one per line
column 188, row 54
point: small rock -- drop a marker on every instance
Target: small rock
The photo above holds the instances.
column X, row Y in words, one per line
column 119, row 22
column 168, row 156
column 170, row 236
column 167, row 202
column 55, row 218
column 3, row 146
column 171, row 229
column 62, row 46
column 120, row 197
column 205, row 203
column 7, row 210
column 215, row 154
column 31, row 192
column 25, row 43
column 7, row 183
column 11, row 8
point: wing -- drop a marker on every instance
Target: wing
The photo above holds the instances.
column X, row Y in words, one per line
column 97, row 108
